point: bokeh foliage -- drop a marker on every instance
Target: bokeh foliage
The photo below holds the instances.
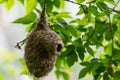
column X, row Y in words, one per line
column 98, row 28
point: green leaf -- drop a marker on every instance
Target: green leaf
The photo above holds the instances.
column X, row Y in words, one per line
column 106, row 76
column 61, row 22
column 81, row 52
column 103, row 7
column 62, row 30
column 101, row 27
column 77, row 43
column 21, row 1
column 58, row 73
column 80, row 1
column 116, row 18
column 94, row 10
column 63, row 15
column 26, row 19
column 31, row 27
column 72, row 30
column 90, row 51
column 115, row 62
column 101, row 69
column 81, row 11
column 96, row 76
column 30, row 5
column 108, row 35
column 116, row 53
column 24, row 68
column 115, row 28
column 9, row 4
column 57, row 3
column 1, row 77
column 65, row 76
column 59, row 28
column 113, row 2
column 72, row 58
column 83, row 72
column 108, row 49
column 1, row 1
column 117, row 75
column 94, row 60
column 49, row 6
column 94, row 66
column 85, row 63
column 88, row 33
column 69, row 50
column 62, row 4
column 58, row 62
column 117, row 43
column 22, row 61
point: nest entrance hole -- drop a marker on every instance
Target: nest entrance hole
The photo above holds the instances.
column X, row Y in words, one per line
column 59, row 47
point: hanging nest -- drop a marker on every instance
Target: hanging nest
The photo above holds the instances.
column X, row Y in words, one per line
column 42, row 47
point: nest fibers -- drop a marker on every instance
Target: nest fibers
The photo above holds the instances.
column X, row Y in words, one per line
column 42, row 47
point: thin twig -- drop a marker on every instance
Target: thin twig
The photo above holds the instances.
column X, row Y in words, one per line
column 113, row 9
column 116, row 4
column 73, row 2
column 77, row 4
column 19, row 44
column 22, row 41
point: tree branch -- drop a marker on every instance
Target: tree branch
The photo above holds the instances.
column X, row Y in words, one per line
column 113, row 9
column 73, row 2
column 111, row 30
column 77, row 4
column 116, row 4
column 19, row 44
